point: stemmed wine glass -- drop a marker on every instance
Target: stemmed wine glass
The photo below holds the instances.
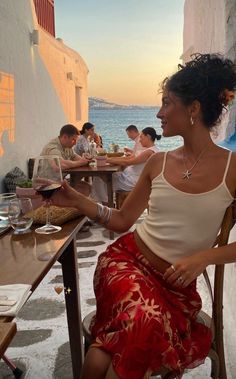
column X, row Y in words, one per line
column 47, row 178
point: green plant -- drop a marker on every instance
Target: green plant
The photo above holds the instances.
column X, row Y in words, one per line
column 25, row 184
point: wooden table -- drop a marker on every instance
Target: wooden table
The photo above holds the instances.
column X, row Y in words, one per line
column 103, row 172
column 27, row 258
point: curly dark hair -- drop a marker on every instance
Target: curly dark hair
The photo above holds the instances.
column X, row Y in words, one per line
column 204, row 78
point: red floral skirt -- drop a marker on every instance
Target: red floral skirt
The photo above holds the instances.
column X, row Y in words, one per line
column 141, row 321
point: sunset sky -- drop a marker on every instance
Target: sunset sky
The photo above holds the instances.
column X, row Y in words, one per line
column 129, row 46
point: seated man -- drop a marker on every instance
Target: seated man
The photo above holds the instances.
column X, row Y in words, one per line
column 62, row 146
column 134, row 135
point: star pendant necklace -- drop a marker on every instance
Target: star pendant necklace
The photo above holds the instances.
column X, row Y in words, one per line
column 187, row 174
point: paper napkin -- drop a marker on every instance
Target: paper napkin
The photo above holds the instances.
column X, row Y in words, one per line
column 17, row 292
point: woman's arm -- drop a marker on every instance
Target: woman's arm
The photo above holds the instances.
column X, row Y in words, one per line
column 128, row 151
column 122, row 219
column 132, row 160
column 189, row 268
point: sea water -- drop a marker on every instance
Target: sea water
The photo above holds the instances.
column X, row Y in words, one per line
column 111, row 125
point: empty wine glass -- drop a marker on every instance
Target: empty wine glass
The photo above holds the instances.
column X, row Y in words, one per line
column 20, row 215
column 47, row 178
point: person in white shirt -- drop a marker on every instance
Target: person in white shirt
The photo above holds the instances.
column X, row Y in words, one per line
column 133, row 133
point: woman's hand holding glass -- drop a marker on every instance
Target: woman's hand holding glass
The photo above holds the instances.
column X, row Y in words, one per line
column 66, row 196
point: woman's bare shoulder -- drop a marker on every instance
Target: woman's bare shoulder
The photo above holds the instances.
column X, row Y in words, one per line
column 234, row 156
column 159, row 156
column 154, row 164
column 233, row 164
column 231, row 173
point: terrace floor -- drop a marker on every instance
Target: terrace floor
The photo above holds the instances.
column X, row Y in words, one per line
column 40, row 346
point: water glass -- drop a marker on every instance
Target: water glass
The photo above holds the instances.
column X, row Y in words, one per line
column 20, row 215
column 4, row 207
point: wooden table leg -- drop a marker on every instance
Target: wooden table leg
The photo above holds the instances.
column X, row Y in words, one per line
column 73, row 308
column 75, row 178
column 7, row 332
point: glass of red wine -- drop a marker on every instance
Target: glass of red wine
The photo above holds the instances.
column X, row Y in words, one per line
column 47, row 178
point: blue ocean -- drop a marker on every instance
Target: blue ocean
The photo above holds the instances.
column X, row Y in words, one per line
column 111, row 125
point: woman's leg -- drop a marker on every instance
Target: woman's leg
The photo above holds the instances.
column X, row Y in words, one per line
column 96, row 364
column 111, row 373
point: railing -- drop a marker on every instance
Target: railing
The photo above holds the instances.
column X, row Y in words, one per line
column 45, row 14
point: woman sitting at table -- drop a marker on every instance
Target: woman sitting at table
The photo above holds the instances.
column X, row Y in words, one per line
column 133, row 166
column 145, row 282
column 82, row 145
column 98, row 140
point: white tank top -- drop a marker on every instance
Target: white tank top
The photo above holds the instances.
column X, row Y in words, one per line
column 181, row 223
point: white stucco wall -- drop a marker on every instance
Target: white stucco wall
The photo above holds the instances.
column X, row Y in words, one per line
column 210, row 27
column 70, row 73
column 40, row 109
column 204, row 27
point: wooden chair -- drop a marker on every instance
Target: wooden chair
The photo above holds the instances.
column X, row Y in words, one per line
column 215, row 322
column 121, row 197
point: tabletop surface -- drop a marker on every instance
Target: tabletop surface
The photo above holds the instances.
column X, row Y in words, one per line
column 101, row 169
column 28, row 257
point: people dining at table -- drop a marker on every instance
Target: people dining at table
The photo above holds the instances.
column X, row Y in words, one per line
column 62, row 146
column 133, row 165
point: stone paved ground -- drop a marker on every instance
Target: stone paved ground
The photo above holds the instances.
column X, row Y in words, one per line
column 41, row 346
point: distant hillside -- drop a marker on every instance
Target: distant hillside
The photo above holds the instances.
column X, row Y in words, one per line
column 96, row 103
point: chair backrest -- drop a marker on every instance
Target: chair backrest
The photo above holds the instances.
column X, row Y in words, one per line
column 30, row 167
column 216, row 290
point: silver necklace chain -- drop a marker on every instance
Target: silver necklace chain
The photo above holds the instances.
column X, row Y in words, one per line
column 188, row 172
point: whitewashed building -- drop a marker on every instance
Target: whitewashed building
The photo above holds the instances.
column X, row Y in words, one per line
column 210, row 26
column 43, row 82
